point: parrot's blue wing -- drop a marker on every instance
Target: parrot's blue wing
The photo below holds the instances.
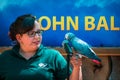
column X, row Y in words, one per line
column 84, row 49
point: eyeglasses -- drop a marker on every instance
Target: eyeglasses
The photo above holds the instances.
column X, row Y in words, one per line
column 33, row 33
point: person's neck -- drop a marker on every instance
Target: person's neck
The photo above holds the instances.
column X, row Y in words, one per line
column 26, row 54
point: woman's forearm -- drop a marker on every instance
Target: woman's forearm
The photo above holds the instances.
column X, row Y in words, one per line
column 80, row 73
column 76, row 74
column 77, row 70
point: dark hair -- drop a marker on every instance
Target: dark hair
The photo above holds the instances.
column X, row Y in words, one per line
column 21, row 25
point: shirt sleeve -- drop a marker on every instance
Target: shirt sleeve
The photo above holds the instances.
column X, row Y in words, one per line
column 61, row 67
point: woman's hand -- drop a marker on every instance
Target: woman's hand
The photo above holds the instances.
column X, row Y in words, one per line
column 76, row 61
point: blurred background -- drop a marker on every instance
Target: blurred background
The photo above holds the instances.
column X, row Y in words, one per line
column 11, row 9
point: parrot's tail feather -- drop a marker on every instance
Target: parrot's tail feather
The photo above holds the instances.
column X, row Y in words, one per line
column 97, row 62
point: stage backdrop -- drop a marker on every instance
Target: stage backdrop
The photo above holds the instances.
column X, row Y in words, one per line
column 95, row 21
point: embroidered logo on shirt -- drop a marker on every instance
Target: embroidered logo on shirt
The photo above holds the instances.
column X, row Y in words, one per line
column 42, row 65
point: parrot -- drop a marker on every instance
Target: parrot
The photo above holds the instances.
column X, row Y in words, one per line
column 82, row 47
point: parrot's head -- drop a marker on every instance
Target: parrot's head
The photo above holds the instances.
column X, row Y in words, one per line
column 69, row 36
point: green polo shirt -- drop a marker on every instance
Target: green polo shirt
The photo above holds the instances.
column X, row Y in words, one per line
column 46, row 64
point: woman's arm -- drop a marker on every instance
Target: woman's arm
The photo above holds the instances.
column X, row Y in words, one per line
column 77, row 70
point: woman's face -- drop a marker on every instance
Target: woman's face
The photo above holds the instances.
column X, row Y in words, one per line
column 32, row 39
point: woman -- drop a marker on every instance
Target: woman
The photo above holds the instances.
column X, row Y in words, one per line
column 29, row 59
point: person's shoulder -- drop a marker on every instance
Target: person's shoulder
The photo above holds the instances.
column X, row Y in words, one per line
column 5, row 53
column 51, row 50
